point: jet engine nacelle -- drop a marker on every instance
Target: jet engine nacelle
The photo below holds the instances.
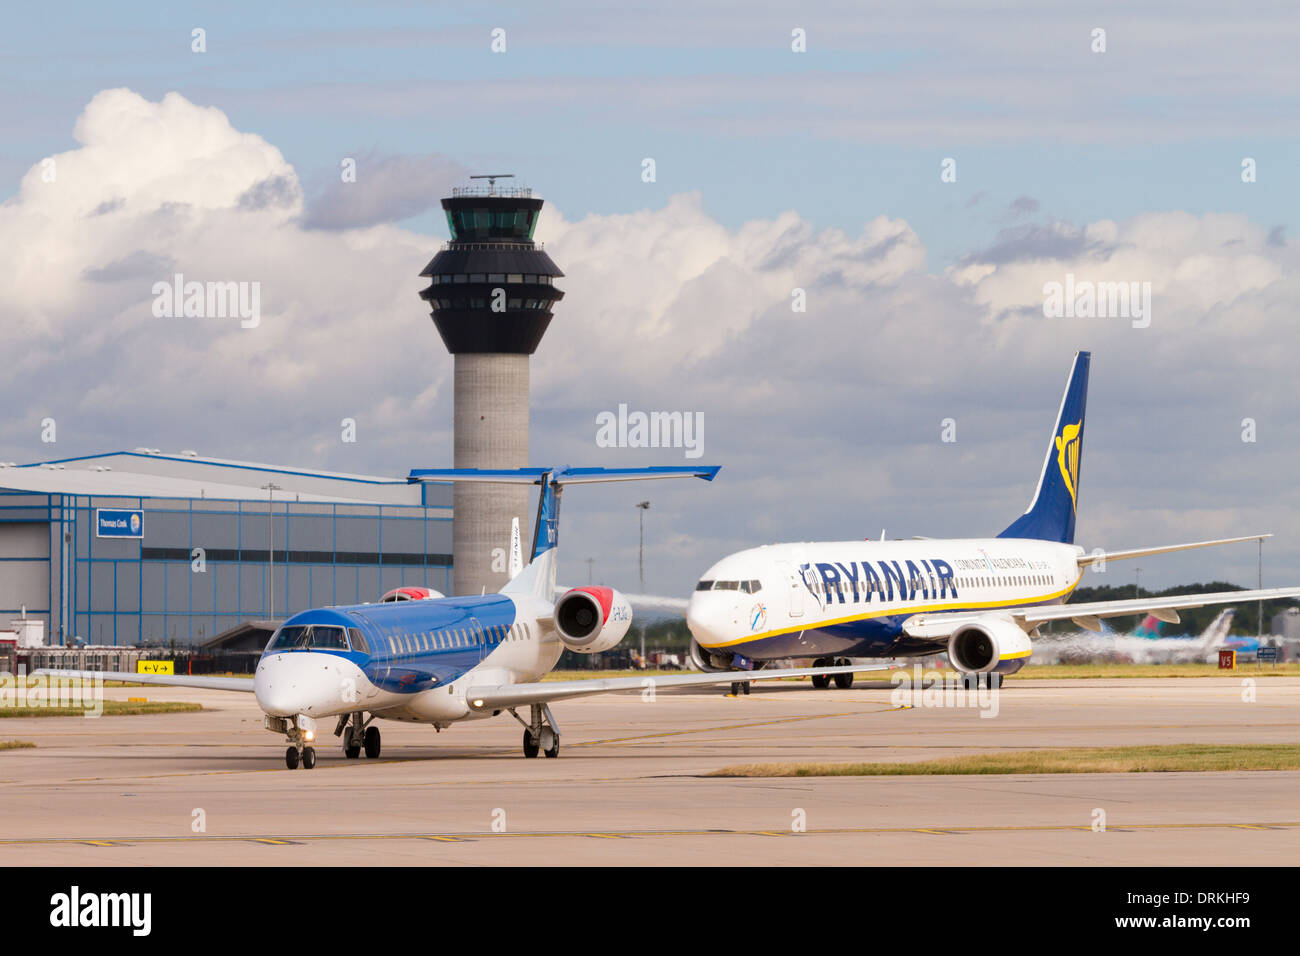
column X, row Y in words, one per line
column 592, row 619
column 410, row 593
column 703, row 660
column 985, row 646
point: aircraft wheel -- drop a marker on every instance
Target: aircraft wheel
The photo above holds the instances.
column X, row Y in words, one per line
column 747, row 687
column 372, row 742
column 550, row 742
column 351, row 751
column 308, row 758
column 820, row 681
column 531, row 746
column 843, row 681
column 291, row 758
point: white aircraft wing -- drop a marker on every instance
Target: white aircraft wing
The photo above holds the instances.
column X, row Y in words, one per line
column 1149, row 605
column 657, row 602
column 509, row 695
column 165, row 680
column 1102, row 556
column 939, row 625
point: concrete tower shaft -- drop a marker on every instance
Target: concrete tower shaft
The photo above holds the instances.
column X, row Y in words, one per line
column 492, row 289
column 491, row 431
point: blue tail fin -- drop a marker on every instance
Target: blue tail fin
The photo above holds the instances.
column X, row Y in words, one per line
column 1051, row 514
column 546, row 528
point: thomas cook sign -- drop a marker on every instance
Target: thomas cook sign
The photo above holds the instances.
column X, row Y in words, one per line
column 119, row 524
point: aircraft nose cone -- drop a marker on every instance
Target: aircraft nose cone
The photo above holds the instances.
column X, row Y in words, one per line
column 704, row 619
column 300, row 683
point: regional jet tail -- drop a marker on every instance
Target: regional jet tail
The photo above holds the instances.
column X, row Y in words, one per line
column 439, row 660
column 979, row 599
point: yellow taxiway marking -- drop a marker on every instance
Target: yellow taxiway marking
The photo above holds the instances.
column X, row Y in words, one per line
column 714, row 729
column 288, row 839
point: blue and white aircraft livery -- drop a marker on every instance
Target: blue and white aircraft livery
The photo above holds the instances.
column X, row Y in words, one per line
column 979, row 599
column 438, row 660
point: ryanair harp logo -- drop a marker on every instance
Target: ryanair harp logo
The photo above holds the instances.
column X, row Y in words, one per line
column 1067, row 458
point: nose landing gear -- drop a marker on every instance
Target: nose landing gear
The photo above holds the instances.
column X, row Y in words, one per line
column 301, row 732
column 297, row 754
column 541, row 733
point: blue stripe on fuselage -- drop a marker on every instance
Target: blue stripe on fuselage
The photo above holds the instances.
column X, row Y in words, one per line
column 878, row 636
column 402, row 637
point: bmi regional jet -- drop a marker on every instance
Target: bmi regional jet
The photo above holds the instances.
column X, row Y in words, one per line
column 981, row 600
column 438, row 660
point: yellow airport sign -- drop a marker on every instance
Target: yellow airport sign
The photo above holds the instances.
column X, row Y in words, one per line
column 155, row 667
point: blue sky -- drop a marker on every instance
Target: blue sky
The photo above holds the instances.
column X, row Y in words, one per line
column 855, row 127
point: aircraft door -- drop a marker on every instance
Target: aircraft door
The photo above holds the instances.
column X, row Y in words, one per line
column 794, row 588
column 480, row 636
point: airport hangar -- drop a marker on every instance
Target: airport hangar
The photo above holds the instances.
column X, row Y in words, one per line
column 72, row 557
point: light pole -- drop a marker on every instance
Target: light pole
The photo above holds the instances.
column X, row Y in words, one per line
column 1137, row 588
column 643, row 507
column 1259, row 614
column 271, row 488
column 590, row 562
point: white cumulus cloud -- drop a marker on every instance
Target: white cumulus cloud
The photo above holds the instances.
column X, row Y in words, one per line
column 826, row 421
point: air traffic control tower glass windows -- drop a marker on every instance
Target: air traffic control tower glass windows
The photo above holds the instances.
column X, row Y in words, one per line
column 481, row 224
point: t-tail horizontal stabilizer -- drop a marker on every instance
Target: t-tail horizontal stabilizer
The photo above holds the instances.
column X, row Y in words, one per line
column 538, row 577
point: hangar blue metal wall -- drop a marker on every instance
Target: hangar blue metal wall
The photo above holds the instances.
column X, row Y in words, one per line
column 125, row 591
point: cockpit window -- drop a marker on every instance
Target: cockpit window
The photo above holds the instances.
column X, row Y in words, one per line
column 358, row 640
column 309, row 637
column 749, row 587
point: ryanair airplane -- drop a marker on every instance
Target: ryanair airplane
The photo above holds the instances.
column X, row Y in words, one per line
column 981, row 599
column 421, row 657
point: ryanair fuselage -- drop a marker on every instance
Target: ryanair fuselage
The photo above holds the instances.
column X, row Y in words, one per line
column 853, row 598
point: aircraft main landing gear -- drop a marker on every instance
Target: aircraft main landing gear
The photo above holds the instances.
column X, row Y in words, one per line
column 355, row 730
column 823, row 681
column 541, row 733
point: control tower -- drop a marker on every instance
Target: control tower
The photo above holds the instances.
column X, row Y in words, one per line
column 492, row 290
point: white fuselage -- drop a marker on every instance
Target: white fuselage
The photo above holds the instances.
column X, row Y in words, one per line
column 851, row 598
